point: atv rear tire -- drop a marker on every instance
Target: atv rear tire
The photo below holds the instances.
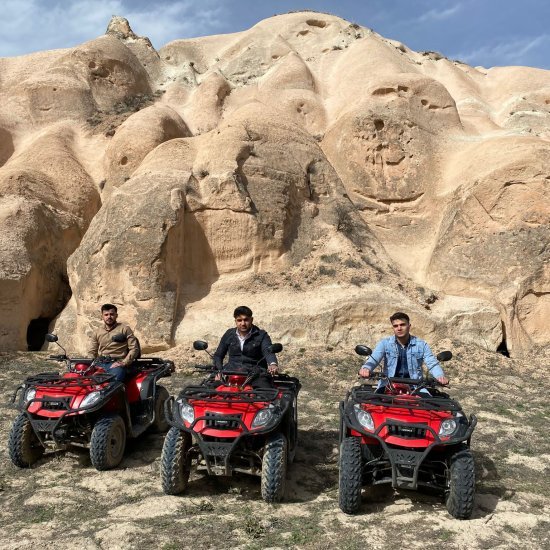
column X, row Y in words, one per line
column 23, row 444
column 175, row 466
column 293, row 432
column 351, row 475
column 460, row 496
column 274, row 464
column 160, row 425
column 108, row 442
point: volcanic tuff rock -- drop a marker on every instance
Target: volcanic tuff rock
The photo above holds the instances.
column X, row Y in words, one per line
column 307, row 167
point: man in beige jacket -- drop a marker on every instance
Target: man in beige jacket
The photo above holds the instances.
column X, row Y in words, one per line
column 123, row 352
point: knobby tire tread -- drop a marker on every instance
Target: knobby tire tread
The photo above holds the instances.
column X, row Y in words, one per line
column 274, row 466
column 100, row 443
column 160, row 425
column 174, row 464
column 23, row 445
column 460, row 498
column 351, row 475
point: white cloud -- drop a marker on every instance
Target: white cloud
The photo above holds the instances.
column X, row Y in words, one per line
column 511, row 52
column 32, row 25
column 438, row 14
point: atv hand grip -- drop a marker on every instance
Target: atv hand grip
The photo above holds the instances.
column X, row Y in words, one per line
column 57, row 357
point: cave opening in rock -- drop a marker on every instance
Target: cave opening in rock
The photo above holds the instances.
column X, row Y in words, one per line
column 503, row 349
column 36, row 333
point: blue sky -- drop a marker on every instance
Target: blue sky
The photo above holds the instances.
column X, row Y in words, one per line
column 478, row 32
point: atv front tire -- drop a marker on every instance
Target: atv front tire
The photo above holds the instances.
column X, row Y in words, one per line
column 351, row 475
column 160, row 425
column 23, row 444
column 274, row 464
column 460, row 496
column 174, row 463
column 108, row 442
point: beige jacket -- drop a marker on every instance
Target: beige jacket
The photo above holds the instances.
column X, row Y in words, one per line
column 101, row 344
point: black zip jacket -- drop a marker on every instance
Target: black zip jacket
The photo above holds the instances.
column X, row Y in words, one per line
column 253, row 352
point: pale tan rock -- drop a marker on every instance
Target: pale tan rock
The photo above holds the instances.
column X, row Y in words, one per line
column 154, row 125
column 6, row 146
column 319, row 172
column 46, row 203
column 493, row 240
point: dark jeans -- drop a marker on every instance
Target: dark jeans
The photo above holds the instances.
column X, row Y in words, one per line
column 121, row 374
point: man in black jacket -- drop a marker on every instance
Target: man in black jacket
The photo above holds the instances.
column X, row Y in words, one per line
column 247, row 346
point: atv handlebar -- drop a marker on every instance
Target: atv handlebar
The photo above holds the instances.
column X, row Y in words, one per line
column 57, row 358
column 210, row 368
column 419, row 382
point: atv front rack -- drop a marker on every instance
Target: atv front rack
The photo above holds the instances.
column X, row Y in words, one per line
column 368, row 396
column 243, row 396
column 57, row 381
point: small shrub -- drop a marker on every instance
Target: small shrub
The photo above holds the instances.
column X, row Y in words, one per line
column 329, row 258
column 327, row 271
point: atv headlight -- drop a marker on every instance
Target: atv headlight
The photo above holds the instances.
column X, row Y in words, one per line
column 364, row 418
column 447, row 427
column 263, row 416
column 30, row 394
column 187, row 412
column 91, row 399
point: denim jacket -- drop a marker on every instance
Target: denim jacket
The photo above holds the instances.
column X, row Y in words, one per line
column 418, row 352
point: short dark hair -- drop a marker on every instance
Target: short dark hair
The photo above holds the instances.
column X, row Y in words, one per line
column 108, row 307
column 399, row 315
column 242, row 310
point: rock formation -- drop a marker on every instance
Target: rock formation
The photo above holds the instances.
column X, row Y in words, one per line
column 308, row 167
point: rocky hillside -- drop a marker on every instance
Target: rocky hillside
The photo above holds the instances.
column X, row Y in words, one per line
column 307, row 167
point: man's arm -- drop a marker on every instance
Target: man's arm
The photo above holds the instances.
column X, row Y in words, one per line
column 271, row 358
column 433, row 365
column 93, row 346
column 374, row 360
column 221, row 350
column 133, row 347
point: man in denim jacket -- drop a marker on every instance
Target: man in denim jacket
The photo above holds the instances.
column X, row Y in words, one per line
column 403, row 354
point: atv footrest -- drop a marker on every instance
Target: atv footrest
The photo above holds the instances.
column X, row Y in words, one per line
column 44, row 425
column 406, row 458
column 405, row 482
column 212, row 448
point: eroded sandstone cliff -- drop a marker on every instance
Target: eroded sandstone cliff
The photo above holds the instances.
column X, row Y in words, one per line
column 308, row 167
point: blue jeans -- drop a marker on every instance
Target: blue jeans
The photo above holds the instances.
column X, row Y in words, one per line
column 121, row 374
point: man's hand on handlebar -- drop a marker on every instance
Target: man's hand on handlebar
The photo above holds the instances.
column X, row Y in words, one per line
column 443, row 380
column 273, row 368
column 364, row 372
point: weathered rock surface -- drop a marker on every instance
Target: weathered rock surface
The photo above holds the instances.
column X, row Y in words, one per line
column 307, row 167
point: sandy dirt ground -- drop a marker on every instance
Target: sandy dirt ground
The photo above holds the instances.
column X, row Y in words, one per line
column 63, row 502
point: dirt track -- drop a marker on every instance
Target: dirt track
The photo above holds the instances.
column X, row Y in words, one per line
column 63, row 502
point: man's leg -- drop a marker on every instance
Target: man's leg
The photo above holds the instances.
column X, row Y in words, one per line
column 119, row 373
column 263, row 381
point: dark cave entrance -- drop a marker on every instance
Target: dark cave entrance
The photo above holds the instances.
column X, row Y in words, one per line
column 502, row 347
column 36, row 333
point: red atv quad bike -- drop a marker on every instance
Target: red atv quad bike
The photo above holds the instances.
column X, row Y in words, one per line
column 87, row 407
column 407, row 434
column 224, row 425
